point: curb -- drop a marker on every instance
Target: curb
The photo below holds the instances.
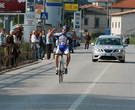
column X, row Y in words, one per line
column 18, row 67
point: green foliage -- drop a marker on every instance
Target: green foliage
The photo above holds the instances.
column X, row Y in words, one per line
column 18, row 19
column 117, row 1
column 132, row 39
column 1, row 25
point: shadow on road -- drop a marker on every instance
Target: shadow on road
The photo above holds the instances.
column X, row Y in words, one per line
column 130, row 62
column 112, row 83
column 64, row 102
column 16, row 79
column 111, row 61
column 82, row 52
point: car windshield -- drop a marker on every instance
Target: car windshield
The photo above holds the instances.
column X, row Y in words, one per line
column 109, row 41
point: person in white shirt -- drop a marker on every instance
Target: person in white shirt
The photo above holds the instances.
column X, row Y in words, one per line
column 2, row 37
column 34, row 38
column 35, row 43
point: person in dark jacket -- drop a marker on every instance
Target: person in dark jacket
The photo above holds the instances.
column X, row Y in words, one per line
column 87, row 41
column 13, row 50
column 42, row 46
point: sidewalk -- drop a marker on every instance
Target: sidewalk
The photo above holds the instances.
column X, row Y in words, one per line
column 40, row 62
column 18, row 67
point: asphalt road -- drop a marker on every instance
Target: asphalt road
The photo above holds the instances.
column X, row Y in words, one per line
column 87, row 86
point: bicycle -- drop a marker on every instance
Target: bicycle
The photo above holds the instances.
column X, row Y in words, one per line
column 61, row 69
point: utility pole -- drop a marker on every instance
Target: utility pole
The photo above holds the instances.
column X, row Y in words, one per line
column 44, row 1
column 108, row 16
column 63, row 14
column 29, row 19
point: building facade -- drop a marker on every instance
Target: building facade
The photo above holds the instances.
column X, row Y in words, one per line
column 123, row 23
column 94, row 19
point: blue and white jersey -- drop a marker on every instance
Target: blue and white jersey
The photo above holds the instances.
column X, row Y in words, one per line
column 62, row 38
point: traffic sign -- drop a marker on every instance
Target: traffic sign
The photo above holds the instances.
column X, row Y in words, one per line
column 44, row 15
column 77, row 20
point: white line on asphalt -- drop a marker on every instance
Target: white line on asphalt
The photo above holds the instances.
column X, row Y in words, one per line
column 88, row 90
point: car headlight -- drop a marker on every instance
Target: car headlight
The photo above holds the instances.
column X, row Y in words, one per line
column 116, row 50
column 119, row 50
column 98, row 50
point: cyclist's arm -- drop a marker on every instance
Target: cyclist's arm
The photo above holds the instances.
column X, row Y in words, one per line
column 51, row 32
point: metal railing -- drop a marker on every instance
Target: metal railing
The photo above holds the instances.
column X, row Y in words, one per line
column 25, row 55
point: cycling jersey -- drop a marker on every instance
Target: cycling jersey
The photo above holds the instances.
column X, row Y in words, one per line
column 62, row 43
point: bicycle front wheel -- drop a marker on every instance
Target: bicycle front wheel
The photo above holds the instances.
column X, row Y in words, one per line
column 61, row 70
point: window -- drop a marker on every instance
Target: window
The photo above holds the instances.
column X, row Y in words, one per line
column 109, row 41
column 118, row 24
column 96, row 22
column 112, row 24
column 85, row 21
column 115, row 24
column 85, row 30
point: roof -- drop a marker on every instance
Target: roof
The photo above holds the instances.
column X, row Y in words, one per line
column 123, row 13
column 104, row 1
column 90, row 6
column 125, row 4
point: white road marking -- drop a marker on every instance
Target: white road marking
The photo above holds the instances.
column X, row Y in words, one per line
column 79, row 100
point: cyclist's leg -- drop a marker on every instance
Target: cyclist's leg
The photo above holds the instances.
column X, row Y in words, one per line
column 57, row 58
column 57, row 63
column 68, row 58
column 67, row 53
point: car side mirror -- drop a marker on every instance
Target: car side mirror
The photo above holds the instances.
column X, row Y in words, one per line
column 92, row 44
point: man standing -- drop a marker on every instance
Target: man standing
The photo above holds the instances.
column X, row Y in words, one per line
column 87, row 41
column 49, row 43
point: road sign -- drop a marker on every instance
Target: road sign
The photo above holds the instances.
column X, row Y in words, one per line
column 56, row 1
column 44, row 15
column 70, row 7
column 77, row 20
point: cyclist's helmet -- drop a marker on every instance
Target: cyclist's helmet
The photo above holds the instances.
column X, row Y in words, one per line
column 67, row 28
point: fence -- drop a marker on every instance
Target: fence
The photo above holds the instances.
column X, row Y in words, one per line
column 7, row 61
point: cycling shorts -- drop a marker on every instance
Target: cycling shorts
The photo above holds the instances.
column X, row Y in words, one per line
column 62, row 49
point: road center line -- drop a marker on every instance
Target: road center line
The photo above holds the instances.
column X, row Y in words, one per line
column 79, row 100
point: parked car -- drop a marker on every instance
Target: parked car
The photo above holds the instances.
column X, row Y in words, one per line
column 108, row 47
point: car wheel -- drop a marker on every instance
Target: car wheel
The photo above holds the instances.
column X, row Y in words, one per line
column 122, row 61
column 94, row 60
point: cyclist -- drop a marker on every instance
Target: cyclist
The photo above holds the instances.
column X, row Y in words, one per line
column 62, row 47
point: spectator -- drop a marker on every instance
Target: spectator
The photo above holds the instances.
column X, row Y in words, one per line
column 18, row 33
column 13, row 50
column 2, row 37
column 44, row 42
column 42, row 45
column 49, row 43
column 87, row 41
column 74, row 40
column 70, row 44
column 35, row 44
